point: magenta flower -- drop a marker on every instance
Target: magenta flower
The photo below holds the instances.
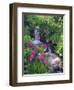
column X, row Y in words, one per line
column 41, row 57
column 31, row 57
column 30, row 45
column 45, row 62
column 34, row 52
column 43, row 54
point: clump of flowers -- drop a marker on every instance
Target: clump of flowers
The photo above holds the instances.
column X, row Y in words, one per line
column 33, row 54
column 41, row 57
column 35, row 57
column 37, row 53
column 45, row 62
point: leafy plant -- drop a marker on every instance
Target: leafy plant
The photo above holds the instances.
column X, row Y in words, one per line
column 37, row 67
column 27, row 39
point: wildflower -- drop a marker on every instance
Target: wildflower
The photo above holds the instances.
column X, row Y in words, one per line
column 45, row 61
column 41, row 56
column 30, row 45
column 34, row 52
column 31, row 57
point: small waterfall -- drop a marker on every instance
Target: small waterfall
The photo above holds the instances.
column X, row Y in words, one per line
column 36, row 40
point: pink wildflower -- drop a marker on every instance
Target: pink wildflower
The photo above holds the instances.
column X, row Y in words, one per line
column 41, row 57
column 34, row 52
column 31, row 57
column 30, row 44
column 45, row 61
column 43, row 54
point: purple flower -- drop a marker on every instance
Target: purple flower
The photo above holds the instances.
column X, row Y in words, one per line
column 30, row 45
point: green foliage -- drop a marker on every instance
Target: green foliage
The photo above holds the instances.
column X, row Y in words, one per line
column 27, row 39
column 27, row 52
column 59, row 48
column 37, row 67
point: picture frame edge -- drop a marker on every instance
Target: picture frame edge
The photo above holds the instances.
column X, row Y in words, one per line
column 12, row 73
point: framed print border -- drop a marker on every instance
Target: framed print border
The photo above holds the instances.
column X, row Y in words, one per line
column 13, row 43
